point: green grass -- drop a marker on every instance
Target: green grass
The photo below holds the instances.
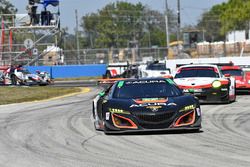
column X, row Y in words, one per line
column 10, row 95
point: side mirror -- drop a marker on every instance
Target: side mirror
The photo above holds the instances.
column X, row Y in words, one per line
column 227, row 75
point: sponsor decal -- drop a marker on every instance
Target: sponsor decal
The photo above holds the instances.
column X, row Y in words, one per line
column 120, row 84
column 154, row 108
column 191, row 90
column 107, row 115
column 172, row 104
column 145, row 82
column 223, row 89
column 170, row 81
column 118, row 111
column 198, row 110
column 151, row 100
column 187, row 108
column 147, row 105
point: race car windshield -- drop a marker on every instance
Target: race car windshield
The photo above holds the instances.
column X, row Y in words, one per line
column 146, row 90
column 233, row 72
column 197, row 72
column 156, row 67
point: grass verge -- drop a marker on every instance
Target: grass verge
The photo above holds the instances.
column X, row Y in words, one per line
column 10, row 95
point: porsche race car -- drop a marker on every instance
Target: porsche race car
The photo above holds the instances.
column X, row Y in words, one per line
column 242, row 78
column 206, row 82
column 152, row 104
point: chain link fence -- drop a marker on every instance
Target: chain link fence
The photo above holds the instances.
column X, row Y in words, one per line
column 132, row 55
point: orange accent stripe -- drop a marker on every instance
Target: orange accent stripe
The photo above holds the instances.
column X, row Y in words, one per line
column 177, row 123
column 111, row 80
column 133, row 125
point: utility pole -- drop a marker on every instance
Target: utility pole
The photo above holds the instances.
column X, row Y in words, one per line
column 179, row 20
column 166, row 20
column 77, row 39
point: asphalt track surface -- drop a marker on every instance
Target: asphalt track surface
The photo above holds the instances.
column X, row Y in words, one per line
column 60, row 133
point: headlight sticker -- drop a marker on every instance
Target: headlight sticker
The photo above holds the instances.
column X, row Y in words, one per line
column 187, row 108
column 118, row 111
column 223, row 89
column 198, row 110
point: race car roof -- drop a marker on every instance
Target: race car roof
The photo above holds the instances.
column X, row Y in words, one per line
column 231, row 68
column 199, row 65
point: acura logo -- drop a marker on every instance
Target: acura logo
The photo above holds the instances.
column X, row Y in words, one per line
column 154, row 108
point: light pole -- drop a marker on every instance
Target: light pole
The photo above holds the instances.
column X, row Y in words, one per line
column 179, row 20
column 77, row 39
column 166, row 20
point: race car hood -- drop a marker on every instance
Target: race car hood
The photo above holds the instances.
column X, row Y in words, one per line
column 197, row 82
column 149, row 105
column 238, row 78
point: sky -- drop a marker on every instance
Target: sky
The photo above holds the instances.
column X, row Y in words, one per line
column 191, row 10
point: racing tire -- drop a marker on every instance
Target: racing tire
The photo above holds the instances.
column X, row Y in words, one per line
column 13, row 79
column 93, row 110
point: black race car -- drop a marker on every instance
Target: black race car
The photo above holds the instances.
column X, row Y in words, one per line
column 150, row 104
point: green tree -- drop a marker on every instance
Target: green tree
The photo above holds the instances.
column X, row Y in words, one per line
column 211, row 23
column 235, row 15
column 6, row 7
column 121, row 23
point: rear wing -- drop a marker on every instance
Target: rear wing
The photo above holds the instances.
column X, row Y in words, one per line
column 218, row 64
column 108, row 82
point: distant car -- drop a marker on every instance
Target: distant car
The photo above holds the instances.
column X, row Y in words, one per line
column 154, row 69
column 120, row 70
column 206, row 82
column 45, row 78
column 242, row 77
column 152, row 104
column 3, row 70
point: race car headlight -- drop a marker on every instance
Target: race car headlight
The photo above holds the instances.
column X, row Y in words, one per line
column 123, row 122
column 216, row 84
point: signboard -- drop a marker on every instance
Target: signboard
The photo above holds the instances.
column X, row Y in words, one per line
column 35, row 51
column 28, row 43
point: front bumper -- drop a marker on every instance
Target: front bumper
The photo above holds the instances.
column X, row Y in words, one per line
column 153, row 130
column 211, row 95
column 142, row 126
column 243, row 87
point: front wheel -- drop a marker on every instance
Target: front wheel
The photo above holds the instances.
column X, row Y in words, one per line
column 93, row 110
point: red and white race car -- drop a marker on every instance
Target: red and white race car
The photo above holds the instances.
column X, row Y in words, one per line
column 242, row 77
column 11, row 75
column 206, row 82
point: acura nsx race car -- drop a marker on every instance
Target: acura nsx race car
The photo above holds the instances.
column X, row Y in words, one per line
column 242, row 78
column 152, row 104
column 206, row 82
